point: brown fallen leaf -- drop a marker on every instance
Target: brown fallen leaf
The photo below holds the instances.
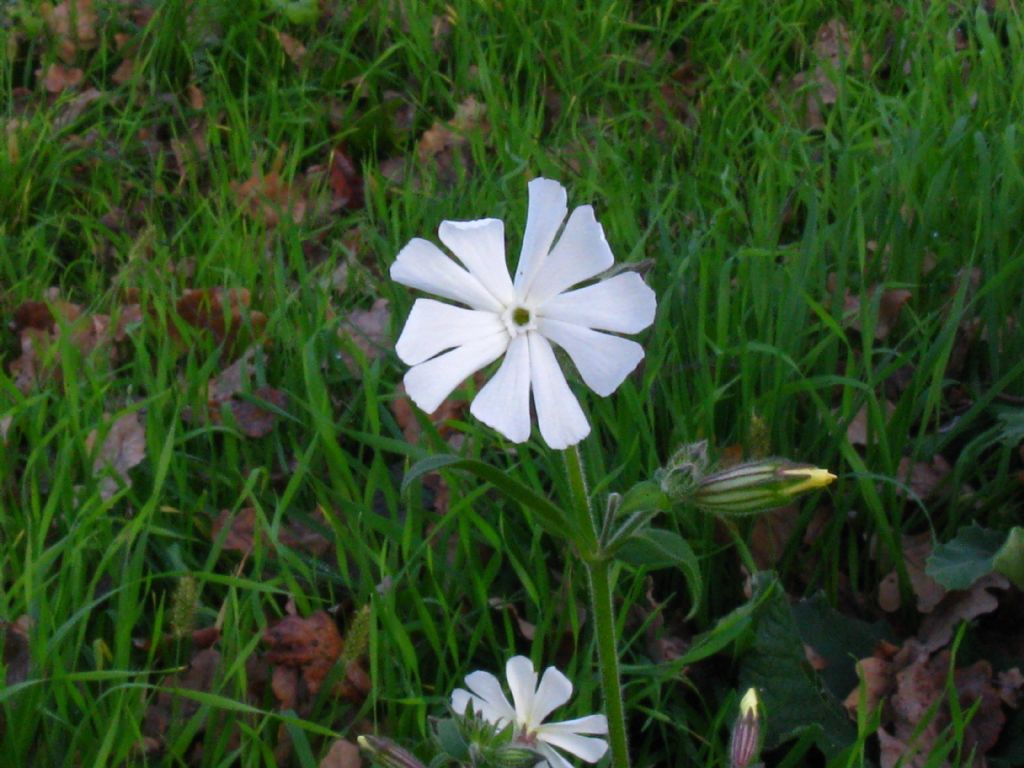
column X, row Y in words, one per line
column 169, row 708
column 445, row 145
column 224, row 313
column 268, row 197
column 876, row 676
column 17, row 656
column 368, row 330
column 342, row 754
column 937, row 629
column 251, row 417
column 293, row 48
column 857, row 431
column 73, row 23
column 306, row 649
column 73, row 109
column 924, row 478
column 123, row 447
column 242, row 528
column 59, row 78
column 927, row 591
column 5, row 428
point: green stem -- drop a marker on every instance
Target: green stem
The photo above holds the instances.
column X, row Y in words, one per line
column 600, row 581
column 581, row 503
column 599, row 572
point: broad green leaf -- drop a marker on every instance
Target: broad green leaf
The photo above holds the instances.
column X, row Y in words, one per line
column 1009, row 560
column 654, row 548
column 549, row 516
column 839, row 639
column 795, row 699
column 966, row 558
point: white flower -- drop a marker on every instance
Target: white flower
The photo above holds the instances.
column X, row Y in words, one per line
column 520, row 318
column 532, row 704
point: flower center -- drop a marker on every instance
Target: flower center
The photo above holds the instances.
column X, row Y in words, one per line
column 518, row 319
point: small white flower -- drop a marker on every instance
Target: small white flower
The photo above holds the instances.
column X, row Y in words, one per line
column 519, row 318
column 532, row 704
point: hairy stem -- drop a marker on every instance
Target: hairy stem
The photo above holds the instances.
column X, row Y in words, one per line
column 600, row 581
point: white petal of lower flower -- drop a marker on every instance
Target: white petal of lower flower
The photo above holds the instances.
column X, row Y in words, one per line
column 480, row 246
column 429, row 383
column 504, row 402
column 554, row 690
column 462, row 699
column 591, row 724
column 581, row 253
column 544, row 215
column 522, row 682
column 423, row 265
column 486, row 687
column 624, row 304
column 561, row 419
column 554, row 759
column 434, row 326
column 603, row 360
column 584, row 747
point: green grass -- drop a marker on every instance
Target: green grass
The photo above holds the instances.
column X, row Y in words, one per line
column 915, row 179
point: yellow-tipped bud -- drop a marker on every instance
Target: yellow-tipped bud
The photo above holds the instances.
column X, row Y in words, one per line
column 746, row 734
column 815, row 477
column 758, row 486
column 386, row 753
column 749, row 704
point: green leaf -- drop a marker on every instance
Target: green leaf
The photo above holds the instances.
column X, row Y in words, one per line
column 1009, row 560
column 549, row 516
column 839, row 639
column 795, row 700
column 643, row 496
column 966, row 558
column 654, row 548
column 734, row 625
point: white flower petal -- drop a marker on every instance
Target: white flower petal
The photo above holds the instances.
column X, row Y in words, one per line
column 581, row 253
column 429, row 383
column 554, row 690
column 461, row 699
column 544, row 216
column 522, row 681
column 624, row 304
column 602, row 360
column 554, row 759
column 433, row 327
column 487, row 689
column 592, row 724
column 584, row 747
column 480, row 246
column 423, row 265
column 504, row 402
column 561, row 419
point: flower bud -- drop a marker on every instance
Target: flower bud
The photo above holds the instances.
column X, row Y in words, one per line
column 746, row 734
column 758, row 486
column 684, row 470
column 386, row 753
column 513, row 756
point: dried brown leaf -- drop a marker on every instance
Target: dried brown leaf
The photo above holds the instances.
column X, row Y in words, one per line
column 937, row 629
column 311, row 645
column 266, row 197
column 123, row 447
column 368, row 330
column 924, row 478
column 17, row 656
column 59, row 78
column 927, row 591
column 73, row 23
column 224, row 313
column 293, row 48
column 342, row 754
